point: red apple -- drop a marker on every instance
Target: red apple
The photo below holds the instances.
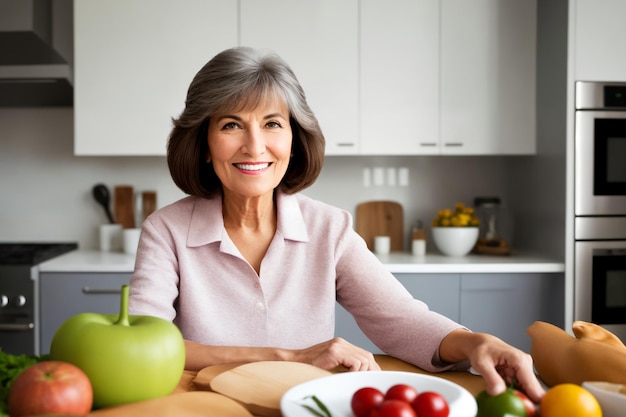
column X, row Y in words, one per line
column 50, row 387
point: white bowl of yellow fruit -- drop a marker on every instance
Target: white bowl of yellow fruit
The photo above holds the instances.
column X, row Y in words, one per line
column 455, row 232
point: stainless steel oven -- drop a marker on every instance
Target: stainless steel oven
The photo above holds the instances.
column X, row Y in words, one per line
column 600, row 272
column 600, row 205
column 19, row 303
column 600, row 150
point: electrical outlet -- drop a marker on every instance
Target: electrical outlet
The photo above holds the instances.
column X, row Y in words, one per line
column 403, row 176
column 379, row 176
column 391, row 176
column 367, row 177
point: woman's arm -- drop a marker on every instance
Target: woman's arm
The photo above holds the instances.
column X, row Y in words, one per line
column 327, row 355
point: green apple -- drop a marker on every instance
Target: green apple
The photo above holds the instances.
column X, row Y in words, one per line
column 127, row 358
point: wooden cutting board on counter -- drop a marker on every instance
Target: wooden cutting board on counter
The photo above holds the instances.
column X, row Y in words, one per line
column 381, row 218
column 259, row 386
column 124, row 206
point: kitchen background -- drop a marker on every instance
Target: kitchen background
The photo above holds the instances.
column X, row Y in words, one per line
column 469, row 98
column 46, row 189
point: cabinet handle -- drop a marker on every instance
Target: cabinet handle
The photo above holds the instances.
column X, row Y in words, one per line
column 16, row 327
column 453, row 144
column 429, row 144
column 87, row 290
column 345, row 144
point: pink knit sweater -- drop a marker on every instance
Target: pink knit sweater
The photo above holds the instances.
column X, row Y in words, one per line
column 189, row 271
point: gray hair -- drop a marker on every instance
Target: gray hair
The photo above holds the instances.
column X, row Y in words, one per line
column 239, row 79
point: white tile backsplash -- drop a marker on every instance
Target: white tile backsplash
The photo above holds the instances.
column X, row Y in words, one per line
column 46, row 190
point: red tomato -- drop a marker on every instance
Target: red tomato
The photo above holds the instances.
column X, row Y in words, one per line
column 430, row 404
column 394, row 408
column 531, row 409
column 50, row 387
column 401, row 392
column 365, row 400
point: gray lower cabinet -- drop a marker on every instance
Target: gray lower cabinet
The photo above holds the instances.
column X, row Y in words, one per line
column 440, row 291
column 506, row 304
column 63, row 295
column 500, row 304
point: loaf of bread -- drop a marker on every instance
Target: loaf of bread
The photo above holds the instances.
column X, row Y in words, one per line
column 592, row 354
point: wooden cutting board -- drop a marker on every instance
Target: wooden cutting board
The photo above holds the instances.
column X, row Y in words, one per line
column 187, row 404
column 148, row 203
column 124, row 206
column 205, row 376
column 381, row 218
column 259, row 386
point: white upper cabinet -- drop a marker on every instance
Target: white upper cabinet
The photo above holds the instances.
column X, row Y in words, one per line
column 599, row 36
column 399, row 77
column 488, row 76
column 134, row 60
column 319, row 41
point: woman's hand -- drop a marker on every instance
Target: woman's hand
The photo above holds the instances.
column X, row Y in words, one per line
column 499, row 364
column 336, row 352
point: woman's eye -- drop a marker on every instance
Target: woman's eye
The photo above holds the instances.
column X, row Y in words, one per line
column 230, row 125
column 273, row 124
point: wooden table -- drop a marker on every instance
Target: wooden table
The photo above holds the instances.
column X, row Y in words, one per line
column 190, row 405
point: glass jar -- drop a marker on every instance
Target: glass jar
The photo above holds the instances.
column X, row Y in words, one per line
column 488, row 211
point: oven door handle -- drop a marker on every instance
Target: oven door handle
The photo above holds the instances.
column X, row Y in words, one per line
column 11, row 327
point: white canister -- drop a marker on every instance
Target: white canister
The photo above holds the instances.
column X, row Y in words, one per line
column 382, row 245
column 110, row 237
column 131, row 240
column 418, row 247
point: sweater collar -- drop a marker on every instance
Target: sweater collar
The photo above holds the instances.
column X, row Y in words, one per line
column 205, row 229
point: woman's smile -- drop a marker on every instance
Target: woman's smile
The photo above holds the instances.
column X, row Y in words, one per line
column 252, row 168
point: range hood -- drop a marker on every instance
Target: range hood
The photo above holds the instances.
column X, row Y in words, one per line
column 35, row 44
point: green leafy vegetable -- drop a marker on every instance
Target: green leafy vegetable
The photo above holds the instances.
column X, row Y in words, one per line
column 320, row 411
column 10, row 367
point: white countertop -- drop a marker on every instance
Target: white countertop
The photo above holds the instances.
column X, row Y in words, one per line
column 396, row 262
column 90, row 261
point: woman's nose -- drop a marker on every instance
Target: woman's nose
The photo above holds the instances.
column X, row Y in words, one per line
column 254, row 142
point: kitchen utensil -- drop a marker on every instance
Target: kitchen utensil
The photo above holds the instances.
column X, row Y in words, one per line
column 381, row 218
column 336, row 391
column 124, row 206
column 188, row 404
column 260, row 385
column 103, row 197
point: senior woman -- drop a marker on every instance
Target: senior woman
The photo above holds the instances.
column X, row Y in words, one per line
column 249, row 269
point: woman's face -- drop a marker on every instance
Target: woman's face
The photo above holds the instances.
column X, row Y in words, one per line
column 250, row 149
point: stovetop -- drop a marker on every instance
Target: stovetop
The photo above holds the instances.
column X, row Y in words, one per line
column 26, row 253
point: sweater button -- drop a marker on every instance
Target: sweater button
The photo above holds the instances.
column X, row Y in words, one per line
column 260, row 306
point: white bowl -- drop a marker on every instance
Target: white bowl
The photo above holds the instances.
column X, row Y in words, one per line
column 612, row 401
column 335, row 391
column 455, row 241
